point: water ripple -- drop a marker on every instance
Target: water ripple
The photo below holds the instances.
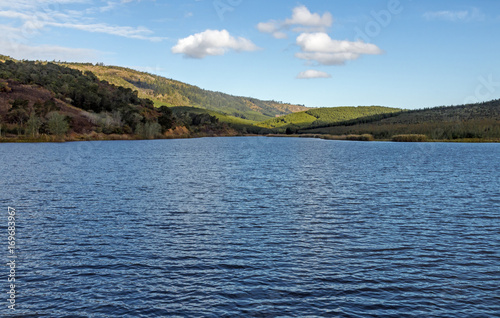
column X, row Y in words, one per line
column 255, row 227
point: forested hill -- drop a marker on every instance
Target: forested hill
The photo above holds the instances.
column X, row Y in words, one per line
column 472, row 121
column 42, row 101
column 320, row 117
column 32, row 94
column 169, row 92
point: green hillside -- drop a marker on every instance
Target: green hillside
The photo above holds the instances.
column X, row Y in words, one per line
column 324, row 116
column 473, row 121
column 243, row 126
column 220, row 116
column 169, row 92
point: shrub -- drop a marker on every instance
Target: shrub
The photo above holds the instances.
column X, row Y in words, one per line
column 57, row 124
column 364, row 137
column 367, row 137
column 4, row 88
column 148, row 130
column 409, row 138
column 33, row 126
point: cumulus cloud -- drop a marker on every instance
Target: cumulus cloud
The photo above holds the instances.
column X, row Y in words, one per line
column 313, row 74
column 455, row 16
column 305, row 19
column 321, row 48
column 302, row 20
column 322, row 42
column 316, row 46
column 211, row 42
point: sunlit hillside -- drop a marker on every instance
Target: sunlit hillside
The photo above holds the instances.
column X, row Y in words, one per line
column 169, row 92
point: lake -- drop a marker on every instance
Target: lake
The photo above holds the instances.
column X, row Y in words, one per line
column 253, row 227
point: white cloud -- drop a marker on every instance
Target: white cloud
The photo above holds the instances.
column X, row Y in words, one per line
column 317, row 47
column 322, row 42
column 327, row 58
column 48, row 52
column 11, row 34
column 268, row 27
column 211, row 42
column 15, row 15
column 302, row 20
column 321, row 48
column 113, row 4
column 140, row 33
column 39, row 5
column 313, row 74
column 38, row 14
column 272, row 27
column 280, row 35
column 456, row 16
column 303, row 17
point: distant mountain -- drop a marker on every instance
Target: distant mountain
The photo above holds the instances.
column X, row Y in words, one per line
column 169, row 92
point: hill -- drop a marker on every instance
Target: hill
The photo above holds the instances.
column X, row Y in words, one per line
column 52, row 100
column 472, row 121
column 243, row 126
column 319, row 117
column 169, row 92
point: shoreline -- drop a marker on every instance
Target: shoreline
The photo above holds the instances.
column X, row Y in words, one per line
column 345, row 138
column 116, row 137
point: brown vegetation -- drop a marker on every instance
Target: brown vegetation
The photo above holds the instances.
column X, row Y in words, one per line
column 409, row 138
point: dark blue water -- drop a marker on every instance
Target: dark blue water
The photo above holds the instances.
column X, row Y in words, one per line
column 253, row 227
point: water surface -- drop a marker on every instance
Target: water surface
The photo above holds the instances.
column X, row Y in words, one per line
column 254, row 227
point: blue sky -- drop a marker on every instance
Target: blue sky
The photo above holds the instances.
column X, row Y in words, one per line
column 399, row 53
